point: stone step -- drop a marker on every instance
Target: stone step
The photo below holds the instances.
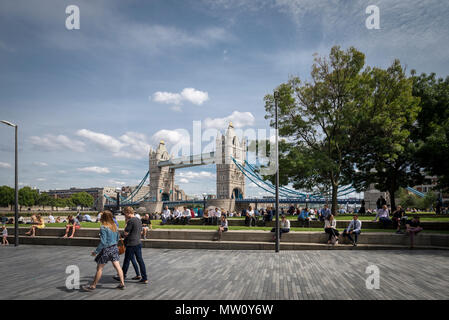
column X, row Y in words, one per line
column 218, row 245
column 428, row 225
column 375, row 238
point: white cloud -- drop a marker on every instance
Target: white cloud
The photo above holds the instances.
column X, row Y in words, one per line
column 94, row 169
column 192, row 95
column 41, row 179
column 171, row 137
column 54, row 143
column 4, row 165
column 195, row 96
column 196, row 175
column 137, row 142
column 183, row 180
column 239, row 120
column 103, row 141
column 126, row 172
column 115, row 182
column 167, row 97
column 40, row 164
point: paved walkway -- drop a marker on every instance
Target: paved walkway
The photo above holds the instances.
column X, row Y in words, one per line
column 38, row 272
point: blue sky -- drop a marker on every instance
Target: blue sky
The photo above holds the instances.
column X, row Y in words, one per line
column 90, row 102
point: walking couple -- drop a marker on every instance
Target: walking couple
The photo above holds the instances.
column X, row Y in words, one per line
column 107, row 250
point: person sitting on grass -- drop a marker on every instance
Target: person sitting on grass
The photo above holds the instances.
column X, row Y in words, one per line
column 4, row 236
column 304, row 218
column 98, row 217
column 324, row 213
column 87, row 218
column 268, row 217
column 206, row 219
column 38, row 223
column 146, row 225
column 250, row 217
column 166, row 216
column 223, row 227
column 413, row 227
column 107, row 251
column 51, row 219
column 354, row 228
column 176, row 216
column 384, row 216
column 330, row 227
column 73, row 224
column 186, row 216
column 284, row 227
column 399, row 219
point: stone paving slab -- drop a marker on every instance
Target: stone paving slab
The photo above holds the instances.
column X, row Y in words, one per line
column 38, row 272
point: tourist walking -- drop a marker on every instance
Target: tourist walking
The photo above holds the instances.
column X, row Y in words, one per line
column 354, row 229
column 107, row 251
column 330, row 227
column 133, row 244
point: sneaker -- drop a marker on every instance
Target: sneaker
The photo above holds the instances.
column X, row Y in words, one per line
column 354, row 244
column 137, row 278
column 143, row 281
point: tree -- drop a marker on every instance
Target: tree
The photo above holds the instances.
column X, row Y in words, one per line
column 432, row 130
column 315, row 119
column 82, row 199
column 7, row 196
column 28, row 197
column 384, row 150
column 44, row 199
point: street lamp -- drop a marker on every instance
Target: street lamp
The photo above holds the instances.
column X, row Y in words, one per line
column 16, row 202
column 276, row 98
column 204, row 202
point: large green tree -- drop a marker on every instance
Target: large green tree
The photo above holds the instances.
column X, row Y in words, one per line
column 44, row 199
column 432, row 130
column 6, row 196
column 315, row 119
column 82, row 199
column 28, row 197
column 384, row 149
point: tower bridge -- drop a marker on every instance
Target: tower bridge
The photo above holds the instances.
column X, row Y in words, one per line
column 232, row 168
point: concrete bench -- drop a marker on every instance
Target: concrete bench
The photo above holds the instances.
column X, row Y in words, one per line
column 91, row 237
column 427, row 225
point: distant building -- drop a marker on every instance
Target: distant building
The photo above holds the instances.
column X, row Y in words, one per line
column 96, row 193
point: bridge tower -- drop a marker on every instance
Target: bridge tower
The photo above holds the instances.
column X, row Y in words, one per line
column 162, row 179
column 230, row 180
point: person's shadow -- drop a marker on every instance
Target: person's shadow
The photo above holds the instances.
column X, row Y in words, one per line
column 105, row 280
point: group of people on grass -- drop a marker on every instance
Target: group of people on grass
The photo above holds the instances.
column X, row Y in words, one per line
column 177, row 216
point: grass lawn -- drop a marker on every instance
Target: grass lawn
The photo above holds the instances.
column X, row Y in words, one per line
column 157, row 225
column 366, row 218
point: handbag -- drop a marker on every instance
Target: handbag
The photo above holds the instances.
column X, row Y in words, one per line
column 121, row 247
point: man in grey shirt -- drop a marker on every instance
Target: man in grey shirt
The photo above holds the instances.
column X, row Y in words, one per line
column 132, row 233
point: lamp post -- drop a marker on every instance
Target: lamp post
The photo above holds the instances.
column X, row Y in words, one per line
column 204, row 202
column 276, row 97
column 16, row 201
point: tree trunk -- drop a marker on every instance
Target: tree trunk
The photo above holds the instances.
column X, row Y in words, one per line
column 391, row 191
column 334, row 199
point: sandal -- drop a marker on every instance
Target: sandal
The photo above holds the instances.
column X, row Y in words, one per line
column 88, row 288
column 121, row 287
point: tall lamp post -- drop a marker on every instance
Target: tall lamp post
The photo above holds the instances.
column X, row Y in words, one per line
column 16, row 201
column 204, row 202
column 276, row 97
